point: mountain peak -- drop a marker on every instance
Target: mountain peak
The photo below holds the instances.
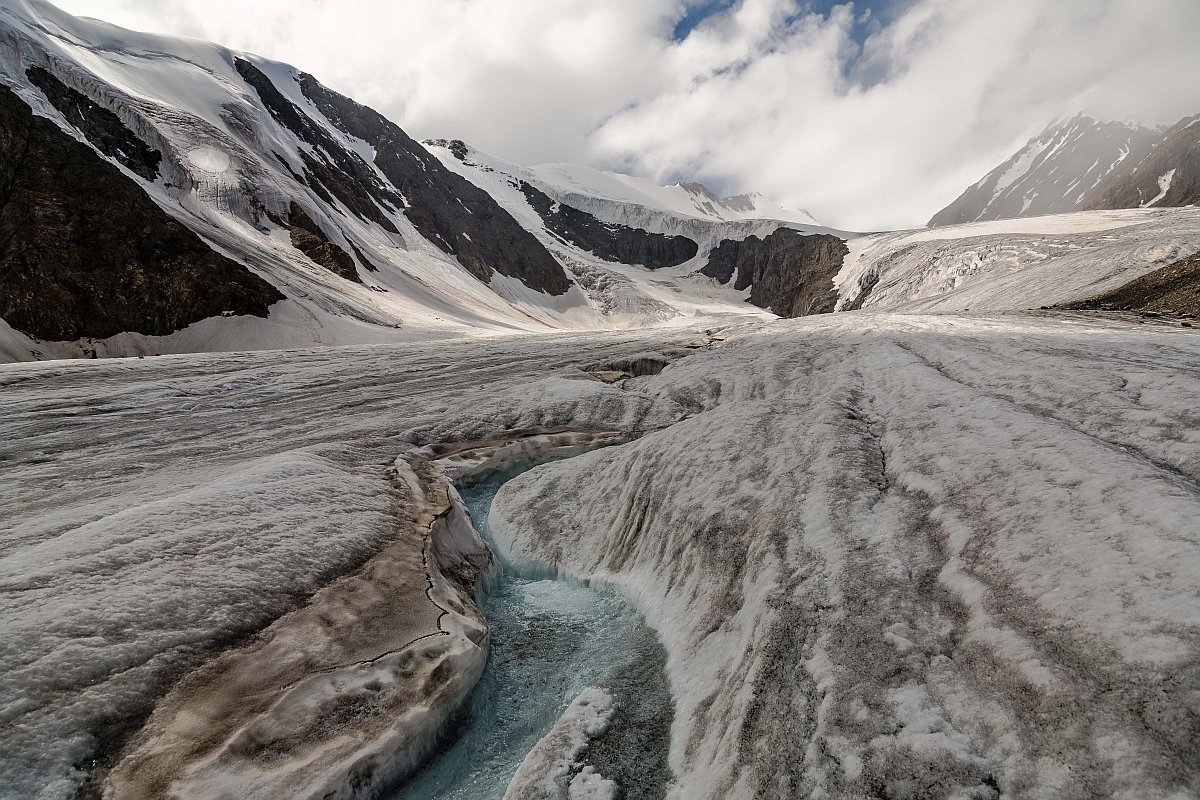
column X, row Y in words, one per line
column 1056, row 171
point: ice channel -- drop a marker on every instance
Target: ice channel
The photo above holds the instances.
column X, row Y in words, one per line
column 551, row 639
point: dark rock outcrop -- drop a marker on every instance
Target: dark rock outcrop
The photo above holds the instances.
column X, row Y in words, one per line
column 363, row 261
column 84, row 252
column 457, row 147
column 788, row 272
column 100, row 126
column 1173, row 289
column 308, row 238
column 447, row 209
column 618, row 243
column 332, row 170
column 866, row 285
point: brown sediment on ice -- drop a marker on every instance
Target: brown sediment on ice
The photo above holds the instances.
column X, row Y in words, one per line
column 354, row 689
column 343, row 692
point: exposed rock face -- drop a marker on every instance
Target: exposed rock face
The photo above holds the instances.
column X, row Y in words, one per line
column 1172, row 289
column 332, row 169
column 363, row 261
column 457, row 147
column 609, row 241
column 1169, row 176
column 84, row 251
column 447, row 209
column 308, row 238
column 102, row 127
column 788, row 272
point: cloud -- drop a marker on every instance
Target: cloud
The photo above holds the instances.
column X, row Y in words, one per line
column 869, row 120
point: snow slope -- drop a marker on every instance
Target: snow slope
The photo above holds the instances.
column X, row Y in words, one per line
column 231, row 165
column 681, row 199
column 879, row 549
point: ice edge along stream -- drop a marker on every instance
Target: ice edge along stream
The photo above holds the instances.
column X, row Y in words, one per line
column 574, row 694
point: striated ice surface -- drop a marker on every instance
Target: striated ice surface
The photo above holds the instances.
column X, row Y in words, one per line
column 905, row 555
column 892, row 555
column 1014, row 264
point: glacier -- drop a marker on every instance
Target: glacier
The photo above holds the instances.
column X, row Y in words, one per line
column 438, row 524
column 945, row 551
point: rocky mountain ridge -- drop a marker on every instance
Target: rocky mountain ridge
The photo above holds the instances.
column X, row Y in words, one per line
column 1082, row 164
column 356, row 231
column 333, row 226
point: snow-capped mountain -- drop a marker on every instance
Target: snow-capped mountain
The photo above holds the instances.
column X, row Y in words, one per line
column 171, row 195
column 218, row 200
column 338, row 226
column 1054, row 173
column 571, row 182
column 1167, row 176
column 1082, row 164
column 616, row 197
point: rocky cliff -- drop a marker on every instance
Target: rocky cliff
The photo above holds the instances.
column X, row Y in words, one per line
column 308, row 238
column 788, row 272
column 448, row 210
column 100, row 126
column 84, row 252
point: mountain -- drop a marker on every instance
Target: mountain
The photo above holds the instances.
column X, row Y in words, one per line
column 684, row 233
column 257, row 208
column 941, row 546
column 1058, row 171
column 1167, row 176
column 164, row 195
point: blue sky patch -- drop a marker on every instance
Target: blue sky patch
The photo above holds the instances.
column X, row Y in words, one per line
column 882, row 12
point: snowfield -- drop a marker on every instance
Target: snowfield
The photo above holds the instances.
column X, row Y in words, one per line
column 947, row 556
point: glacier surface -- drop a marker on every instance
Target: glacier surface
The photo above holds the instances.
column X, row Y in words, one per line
column 885, row 553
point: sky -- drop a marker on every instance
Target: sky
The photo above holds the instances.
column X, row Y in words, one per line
column 871, row 115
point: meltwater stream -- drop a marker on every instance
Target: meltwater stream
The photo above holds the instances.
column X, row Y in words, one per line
column 551, row 639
